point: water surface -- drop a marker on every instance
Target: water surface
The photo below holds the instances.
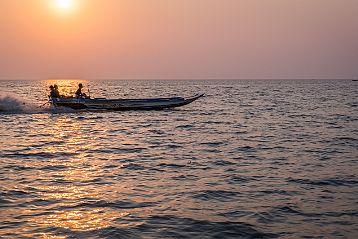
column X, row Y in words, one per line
column 253, row 159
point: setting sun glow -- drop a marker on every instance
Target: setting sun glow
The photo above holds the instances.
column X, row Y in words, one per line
column 65, row 6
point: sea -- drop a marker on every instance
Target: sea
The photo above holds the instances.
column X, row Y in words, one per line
column 251, row 159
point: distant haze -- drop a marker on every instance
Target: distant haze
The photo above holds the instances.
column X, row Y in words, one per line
column 179, row 39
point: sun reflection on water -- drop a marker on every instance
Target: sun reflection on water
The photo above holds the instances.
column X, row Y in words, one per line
column 70, row 184
column 46, row 236
column 82, row 220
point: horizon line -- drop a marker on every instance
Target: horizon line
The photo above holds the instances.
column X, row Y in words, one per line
column 178, row 79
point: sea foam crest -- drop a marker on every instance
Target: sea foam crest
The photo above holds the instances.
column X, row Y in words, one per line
column 12, row 103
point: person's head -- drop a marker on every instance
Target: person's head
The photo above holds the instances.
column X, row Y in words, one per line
column 51, row 87
column 80, row 85
column 55, row 86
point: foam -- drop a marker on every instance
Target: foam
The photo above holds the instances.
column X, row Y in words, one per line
column 12, row 103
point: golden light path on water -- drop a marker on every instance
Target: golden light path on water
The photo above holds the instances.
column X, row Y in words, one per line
column 75, row 183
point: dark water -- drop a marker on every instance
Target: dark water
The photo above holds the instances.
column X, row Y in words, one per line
column 253, row 159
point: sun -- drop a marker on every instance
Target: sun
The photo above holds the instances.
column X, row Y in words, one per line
column 65, row 6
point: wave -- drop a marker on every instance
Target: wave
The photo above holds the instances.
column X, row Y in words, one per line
column 12, row 103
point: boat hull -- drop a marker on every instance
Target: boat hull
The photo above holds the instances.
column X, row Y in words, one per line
column 123, row 104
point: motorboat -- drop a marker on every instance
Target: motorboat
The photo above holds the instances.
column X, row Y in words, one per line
column 123, row 104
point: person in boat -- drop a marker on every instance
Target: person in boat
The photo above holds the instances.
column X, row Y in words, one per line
column 57, row 93
column 53, row 93
column 79, row 93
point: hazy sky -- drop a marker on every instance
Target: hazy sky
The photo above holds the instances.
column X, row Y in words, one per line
column 179, row 39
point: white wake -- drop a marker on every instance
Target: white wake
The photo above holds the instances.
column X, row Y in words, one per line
column 12, row 103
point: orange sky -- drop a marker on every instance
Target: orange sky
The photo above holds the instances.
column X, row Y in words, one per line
column 179, row 39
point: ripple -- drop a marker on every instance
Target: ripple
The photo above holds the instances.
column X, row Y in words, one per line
column 284, row 210
column 326, row 182
column 19, row 167
column 176, row 227
column 5, row 202
column 54, row 168
column 213, row 144
column 42, row 155
column 223, row 163
column 133, row 166
column 171, row 165
column 234, row 179
column 185, row 177
column 14, row 193
column 217, row 195
column 236, row 214
column 116, row 204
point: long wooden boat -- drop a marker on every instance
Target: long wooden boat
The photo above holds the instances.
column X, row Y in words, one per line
column 123, row 104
